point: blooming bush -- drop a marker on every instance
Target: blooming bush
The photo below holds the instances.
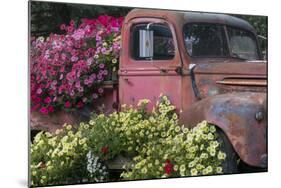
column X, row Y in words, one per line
column 64, row 158
column 158, row 146
column 67, row 70
column 161, row 148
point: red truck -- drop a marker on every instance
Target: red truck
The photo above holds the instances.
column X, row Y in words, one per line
column 211, row 68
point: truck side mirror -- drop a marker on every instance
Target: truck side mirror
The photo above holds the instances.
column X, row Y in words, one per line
column 146, row 43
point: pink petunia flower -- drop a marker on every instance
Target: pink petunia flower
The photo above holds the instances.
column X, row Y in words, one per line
column 47, row 100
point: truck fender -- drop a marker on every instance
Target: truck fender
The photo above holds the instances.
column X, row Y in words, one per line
column 243, row 119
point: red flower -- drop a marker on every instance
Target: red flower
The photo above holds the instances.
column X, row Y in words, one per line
column 51, row 109
column 67, row 104
column 104, row 149
column 44, row 111
column 80, row 104
column 168, row 167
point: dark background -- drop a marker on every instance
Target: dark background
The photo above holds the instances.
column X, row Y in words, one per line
column 46, row 17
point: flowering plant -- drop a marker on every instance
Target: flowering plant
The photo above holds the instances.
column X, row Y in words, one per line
column 64, row 157
column 67, row 70
column 158, row 145
column 155, row 142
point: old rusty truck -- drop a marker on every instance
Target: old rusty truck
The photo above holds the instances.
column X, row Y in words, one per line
column 211, row 68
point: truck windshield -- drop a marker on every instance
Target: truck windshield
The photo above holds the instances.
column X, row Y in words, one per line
column 205, row 40
column 209, row 40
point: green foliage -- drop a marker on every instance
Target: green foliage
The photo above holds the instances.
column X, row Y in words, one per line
column 260, row 24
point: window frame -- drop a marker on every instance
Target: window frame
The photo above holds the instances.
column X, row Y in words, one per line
column 225, row 28
column 132, row 41
column 175, row 61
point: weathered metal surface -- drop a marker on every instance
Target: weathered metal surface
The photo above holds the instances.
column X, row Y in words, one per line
column 243, row 82
column 190, row 17
column 218, row 80
column 235, row 114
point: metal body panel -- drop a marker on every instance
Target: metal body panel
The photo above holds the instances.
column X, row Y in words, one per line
column 235, row 114
column 233, row 90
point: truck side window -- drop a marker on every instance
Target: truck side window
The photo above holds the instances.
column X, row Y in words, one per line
column 243, row 44
column 163, row 44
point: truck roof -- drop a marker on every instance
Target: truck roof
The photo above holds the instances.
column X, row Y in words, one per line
column 182, row 18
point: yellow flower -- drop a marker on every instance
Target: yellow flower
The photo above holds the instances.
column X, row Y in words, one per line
column 191, row 164
column 193, row 172
column 210, row 136
column 68, row 127
column 221, row 155
column 149, row 165
column 138, row 166
column 144, row 170
column 156, row 162
column 199, row 167
column 219, row 170
column 182, row 168
column 34, row 173
column 185, row 130
column 212, row 152
column 182, row 173
column 175, row 116
column 91, row 122
column 177, row 129
column 205, row 172
column 176, row 167
column 209, row 169
column 204, row 156
column 114, row 60
column 212, row 129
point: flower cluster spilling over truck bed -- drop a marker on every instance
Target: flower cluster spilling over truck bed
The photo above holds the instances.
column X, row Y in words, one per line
column 67, row 70
column 154, row 142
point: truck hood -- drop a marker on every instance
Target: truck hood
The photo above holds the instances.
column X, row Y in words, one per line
column 215, row 76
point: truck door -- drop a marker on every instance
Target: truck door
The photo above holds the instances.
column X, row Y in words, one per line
column 148, row 62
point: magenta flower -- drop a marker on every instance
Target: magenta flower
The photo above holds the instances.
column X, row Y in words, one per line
column 47, row 100
column 67, row 104
column 51, row 109
column 62, row 65
column 80, row 104
column 44, row 111
column 101, row 65
column 39, row 91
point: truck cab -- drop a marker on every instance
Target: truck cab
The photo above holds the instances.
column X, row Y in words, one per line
column 209, row 65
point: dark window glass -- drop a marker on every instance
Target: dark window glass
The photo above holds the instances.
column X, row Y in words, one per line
column 163, row 44
column 205, row 40
column 242, row 44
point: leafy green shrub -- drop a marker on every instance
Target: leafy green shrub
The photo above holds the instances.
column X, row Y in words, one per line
column 154, row 140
